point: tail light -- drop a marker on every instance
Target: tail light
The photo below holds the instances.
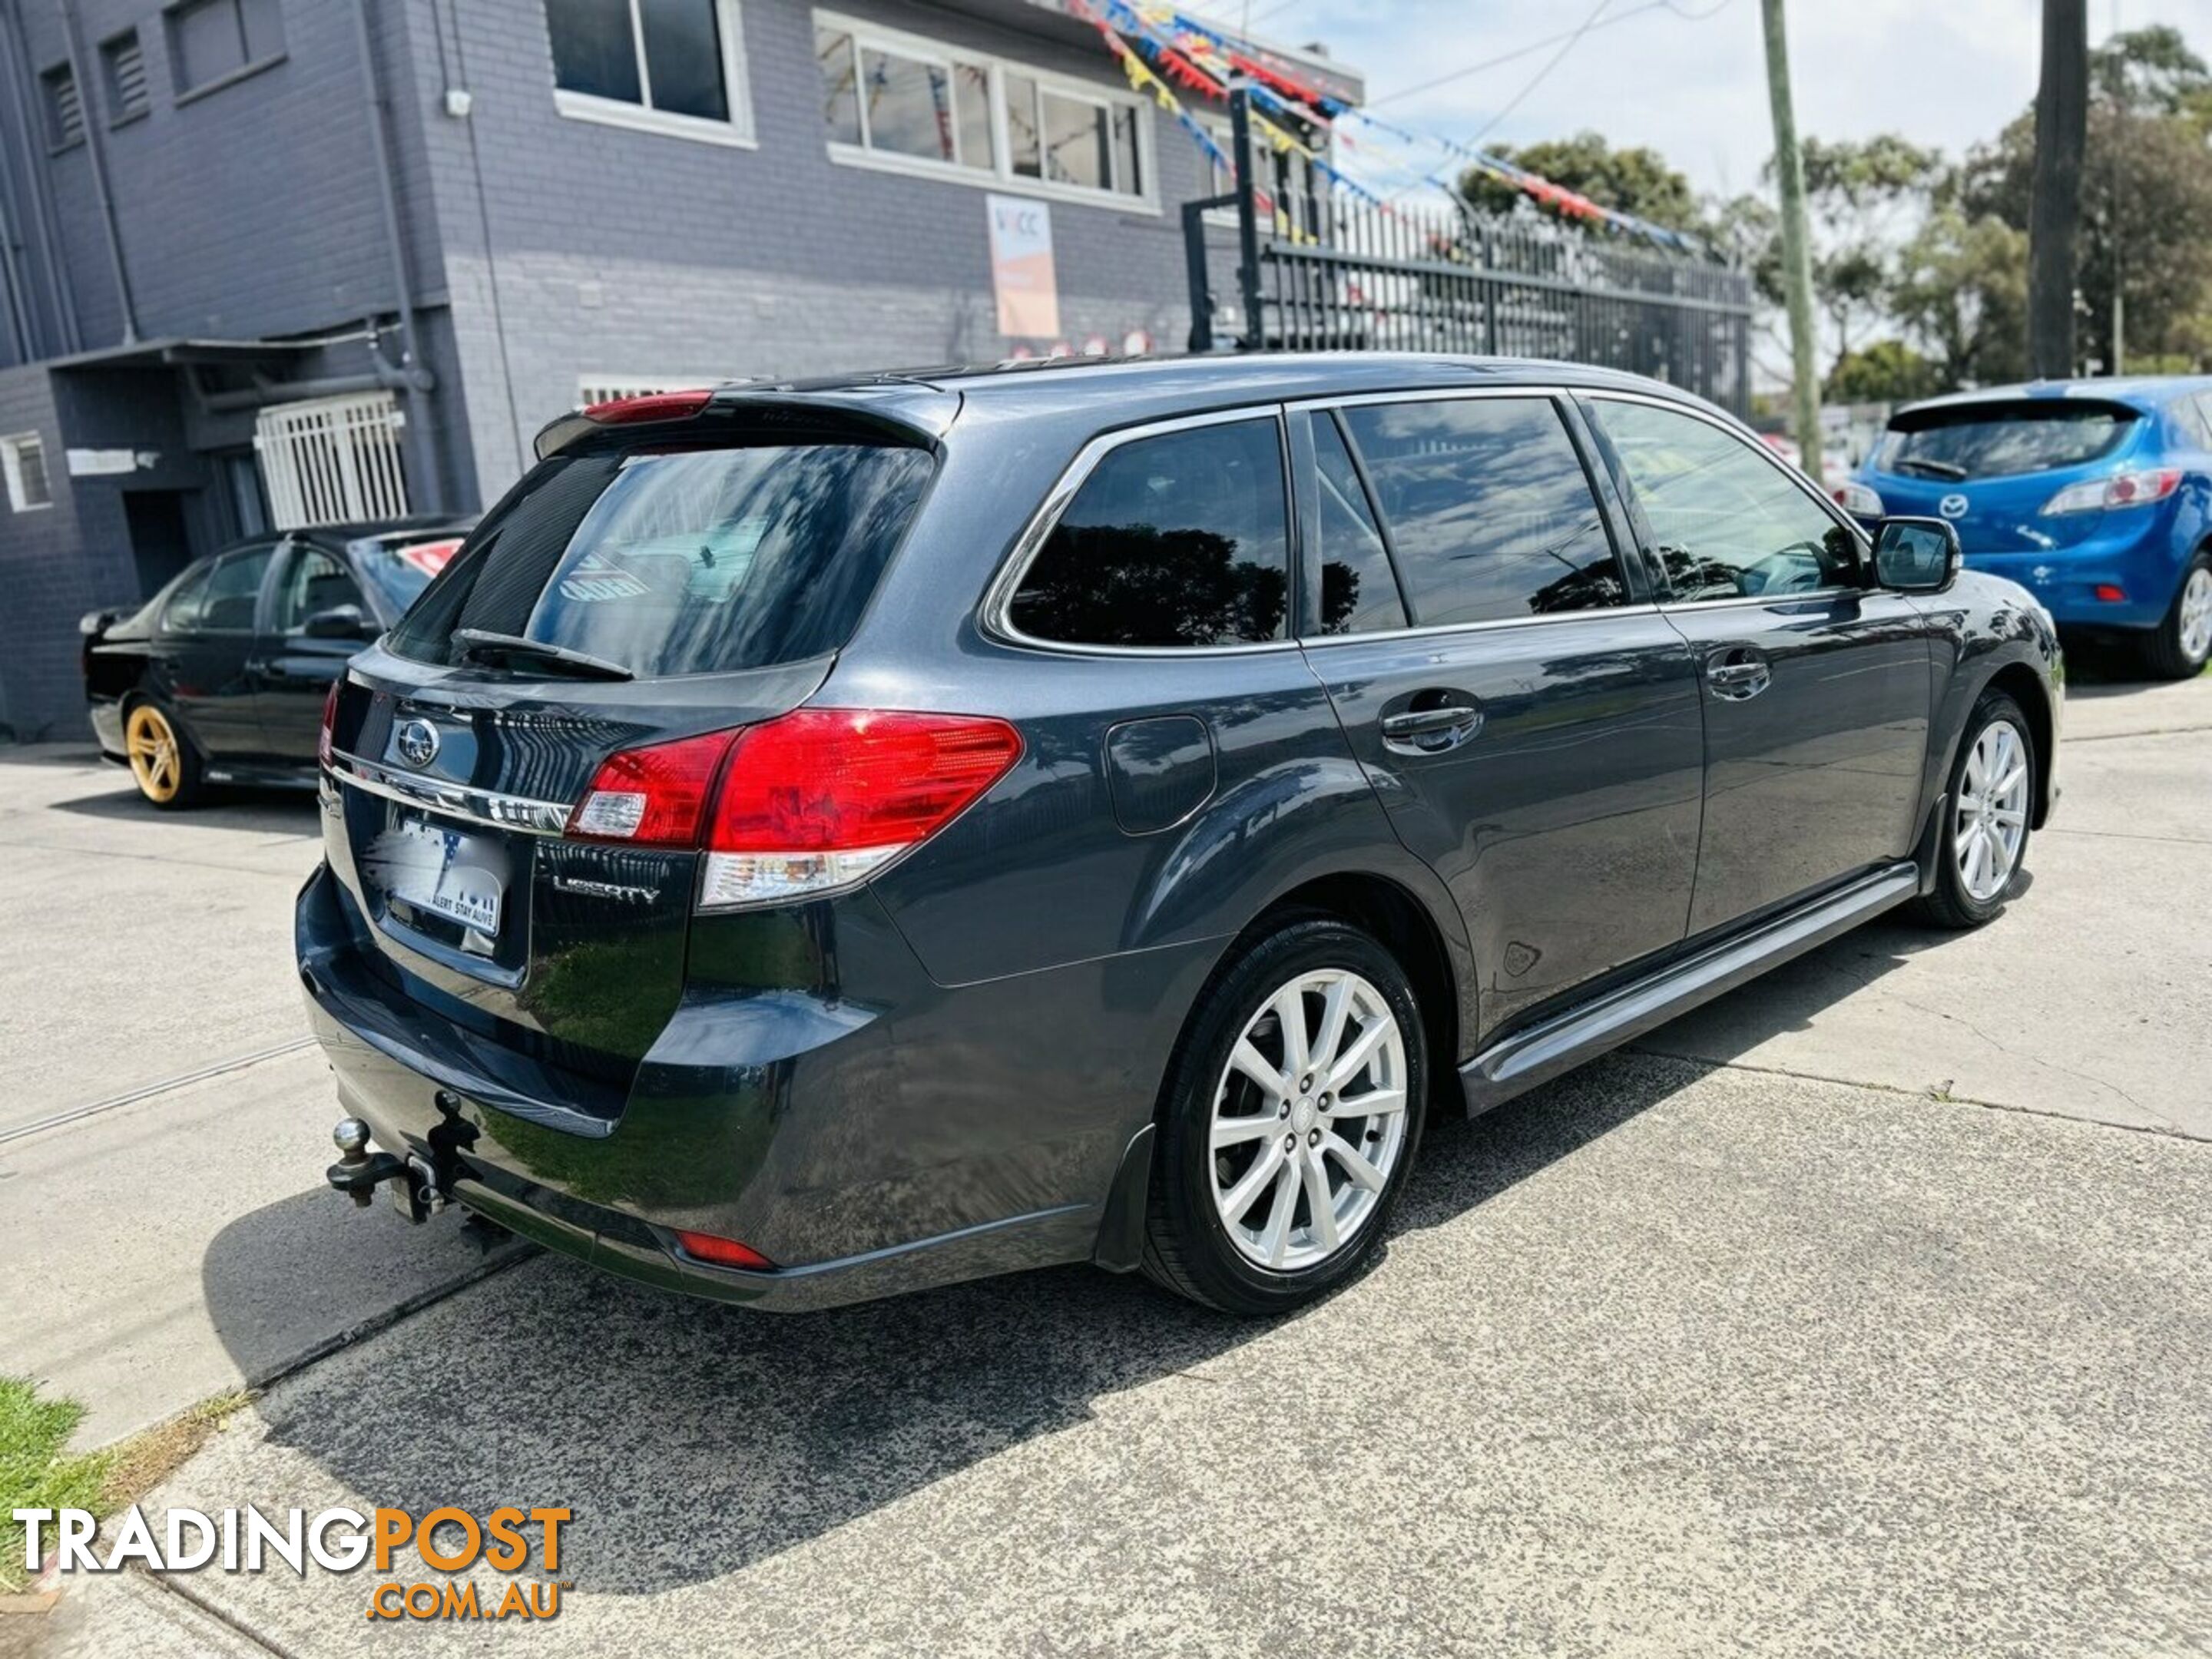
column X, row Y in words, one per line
column 724, row 1252
column 819, row 799
column 1857, row 500
column 323, row 743
column 652, row 406
column 2122, row 489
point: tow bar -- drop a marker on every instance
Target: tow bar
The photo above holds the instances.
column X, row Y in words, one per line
column 414, row 1192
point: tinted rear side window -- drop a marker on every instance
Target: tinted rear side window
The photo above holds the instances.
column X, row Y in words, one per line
column 1358, row 592
column 1489, row 510
column 1995, row 441
column 1173, row 540
column 683, row 562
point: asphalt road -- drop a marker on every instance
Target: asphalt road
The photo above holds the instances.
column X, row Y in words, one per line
column 1864, row 1311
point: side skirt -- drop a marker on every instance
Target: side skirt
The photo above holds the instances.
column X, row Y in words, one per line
column 1527, row 1058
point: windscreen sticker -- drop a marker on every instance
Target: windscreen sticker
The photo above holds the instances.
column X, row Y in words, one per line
column 594, row 581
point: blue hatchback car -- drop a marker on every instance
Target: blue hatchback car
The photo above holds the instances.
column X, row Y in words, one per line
column 2095, row 495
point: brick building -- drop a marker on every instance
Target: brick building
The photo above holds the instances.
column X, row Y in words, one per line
column 273, row 261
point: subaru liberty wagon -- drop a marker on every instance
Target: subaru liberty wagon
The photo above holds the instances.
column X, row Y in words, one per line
column 814, row 841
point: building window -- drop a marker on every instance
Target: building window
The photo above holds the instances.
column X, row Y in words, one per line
column 124, row 66
column 910, row 104
column 905, row 103
column 331, row 460
column 65, row 107
column 23, row 463
column 214, row 42
column 672, row 66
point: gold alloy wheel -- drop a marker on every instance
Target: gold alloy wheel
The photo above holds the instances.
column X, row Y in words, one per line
column 156, row 759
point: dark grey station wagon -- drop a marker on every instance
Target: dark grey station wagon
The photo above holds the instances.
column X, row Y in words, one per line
column 816, row 841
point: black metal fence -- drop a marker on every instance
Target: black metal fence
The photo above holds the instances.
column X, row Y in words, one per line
column 1325, row 271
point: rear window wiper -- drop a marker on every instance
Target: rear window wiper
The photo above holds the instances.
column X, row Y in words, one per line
column 483, row 645
column 1932, row 469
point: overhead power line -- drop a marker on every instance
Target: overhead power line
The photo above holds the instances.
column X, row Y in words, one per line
column 1535, row 47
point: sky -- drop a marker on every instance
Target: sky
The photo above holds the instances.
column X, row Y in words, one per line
column 1688, row 76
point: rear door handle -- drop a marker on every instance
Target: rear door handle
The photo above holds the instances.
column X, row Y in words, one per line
column 1737, row 673
column 1430, row 730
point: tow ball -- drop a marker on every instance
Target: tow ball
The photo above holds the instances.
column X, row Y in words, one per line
column 414, row 1190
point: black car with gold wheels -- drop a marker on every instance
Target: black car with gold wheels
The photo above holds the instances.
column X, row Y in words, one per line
column 219, row 677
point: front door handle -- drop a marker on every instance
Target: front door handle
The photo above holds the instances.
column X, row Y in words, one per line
column 1737, row 673
column 1430, row 730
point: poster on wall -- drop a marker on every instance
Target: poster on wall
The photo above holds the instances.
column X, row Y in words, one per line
column 1021, row 267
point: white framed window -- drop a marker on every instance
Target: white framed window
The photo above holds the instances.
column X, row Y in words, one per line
column 23, row 463
column 604, row 388
column 676, row 67
column 908, row 104
column 331, row 460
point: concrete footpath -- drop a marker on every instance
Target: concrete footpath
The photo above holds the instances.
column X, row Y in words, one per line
column 169, row 1235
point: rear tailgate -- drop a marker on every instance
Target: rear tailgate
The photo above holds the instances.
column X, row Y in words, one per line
column 570, row 950
column 1989, row 465
column 638, row 589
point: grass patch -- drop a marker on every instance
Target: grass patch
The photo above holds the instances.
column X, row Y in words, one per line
column 37, row 1471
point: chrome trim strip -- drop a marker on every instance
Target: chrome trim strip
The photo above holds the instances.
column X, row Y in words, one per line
column 483, row 806
column 1441, row 394
column 1433, row 630
column 1527, row 1058
column 1746, row 599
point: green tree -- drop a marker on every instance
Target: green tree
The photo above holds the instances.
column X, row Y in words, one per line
column 1961, row 294
column 1885, row 371
column 1862, row 197
column 2145, row 198
column 1634, row 180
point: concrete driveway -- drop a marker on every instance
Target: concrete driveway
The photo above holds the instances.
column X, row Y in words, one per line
column 1862, row 1311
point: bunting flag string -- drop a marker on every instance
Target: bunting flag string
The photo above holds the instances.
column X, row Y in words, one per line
column 1198, row 57
column 1210, row 78
column 1272, row 86
column 1142, row 79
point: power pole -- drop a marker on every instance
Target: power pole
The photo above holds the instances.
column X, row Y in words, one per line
column 2054, row 215
column 1796, row 245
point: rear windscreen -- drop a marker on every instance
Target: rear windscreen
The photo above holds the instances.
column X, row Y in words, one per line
column 681, row 562
column 1992, row 441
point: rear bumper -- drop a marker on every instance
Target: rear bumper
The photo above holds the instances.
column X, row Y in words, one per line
column 2143, row 565
column 868, row 1145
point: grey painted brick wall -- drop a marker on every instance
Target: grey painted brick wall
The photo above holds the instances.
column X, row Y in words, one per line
column 249, row 209
column 614, row 251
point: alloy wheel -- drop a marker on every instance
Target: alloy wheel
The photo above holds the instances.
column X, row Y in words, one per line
column 1309, row 1120
column 156, row 760
column 1991, row 822
column 2197, row 614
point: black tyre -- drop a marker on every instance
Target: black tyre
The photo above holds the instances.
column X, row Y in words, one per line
column 2181, row 645
column 1983, row 844
column 1273, row 1185
column 164, row 763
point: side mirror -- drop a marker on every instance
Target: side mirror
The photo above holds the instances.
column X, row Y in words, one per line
column 340, row 621
column 1916, row 555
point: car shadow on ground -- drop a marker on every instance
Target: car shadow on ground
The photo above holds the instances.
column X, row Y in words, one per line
column 1791, row 997
column 693, row 1440
column 273, row 812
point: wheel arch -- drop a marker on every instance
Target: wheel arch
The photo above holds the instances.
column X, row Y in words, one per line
column 2026, row 687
